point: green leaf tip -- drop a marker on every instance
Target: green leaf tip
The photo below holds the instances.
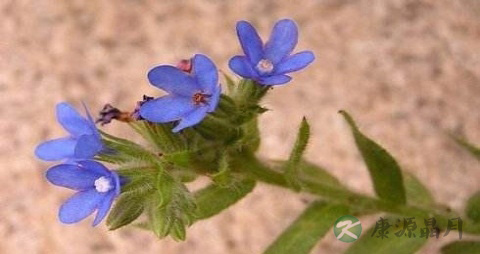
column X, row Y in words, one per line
column 292, row 165
column 384, row 170
column 473, row 149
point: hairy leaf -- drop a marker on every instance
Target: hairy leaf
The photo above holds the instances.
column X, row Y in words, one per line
column 304, row 233
column 213, row 199
column 384, row 170
column 170, row 208
column 291, row 170
column 160, row 135
column 128, row 207
column 314, row 173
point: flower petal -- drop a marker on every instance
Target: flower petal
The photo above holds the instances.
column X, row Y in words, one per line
column 191, row 119
column 251, row 42
column 205, row 72
column 94, row 167
column 119, row 181
column 241, row 66
column 295, row 62
column 87, row 147
column 72, row 121
column 166, row 109
column 91, row 121
column 104, row 207
column 172, row 80
column 282, row 40
column 56, row 149
column 275, row 80
column 71, row 176
column 80, row 206
column 213, row 102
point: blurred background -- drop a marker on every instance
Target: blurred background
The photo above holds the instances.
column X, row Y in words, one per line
column 407, row 70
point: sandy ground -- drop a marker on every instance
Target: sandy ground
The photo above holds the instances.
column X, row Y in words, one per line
column 407, row 70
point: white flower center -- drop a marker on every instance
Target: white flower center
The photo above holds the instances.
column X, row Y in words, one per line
column 102, row 184
column 265, row 65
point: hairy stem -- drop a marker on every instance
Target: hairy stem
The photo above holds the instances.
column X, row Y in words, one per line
column 362, row 204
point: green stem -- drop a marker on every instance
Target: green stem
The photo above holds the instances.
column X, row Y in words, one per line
column 363, row 204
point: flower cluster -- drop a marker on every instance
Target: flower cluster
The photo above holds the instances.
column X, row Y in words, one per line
column 96, row 185
column 193, row 93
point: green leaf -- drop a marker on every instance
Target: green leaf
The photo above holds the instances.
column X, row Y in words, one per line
column 160, row 135
column 226, row 106
column 313, row 173
column 368, row 244
column 304, row 233
column 461, row 247
column 416, row 192
column 251, row 137
column 230, row 83
column 224, row 175
column 181, row 158
column 473, row 149
column 384, row 170
column 179, row 233
column 291, row 172
column 171, row 208
column 473, row 207
column 128, row 207
column 213, row 199
column 124, row 151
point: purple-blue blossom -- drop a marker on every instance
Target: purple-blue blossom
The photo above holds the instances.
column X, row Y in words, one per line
column 269, row 63
column 96, row 185
column 83, row 142
column 191, row 96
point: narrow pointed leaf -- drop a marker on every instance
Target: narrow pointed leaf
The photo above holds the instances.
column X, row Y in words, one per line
column 461, row 247
column 368, row 244
column 213, row 199
column 314, row 173
column 304, row 233
column 291, row 170
column 473, row 149
column 180, row 158
column 384, row 170
column 160, row 135
column 416, row 192
column 230, row 83
column 127, row 208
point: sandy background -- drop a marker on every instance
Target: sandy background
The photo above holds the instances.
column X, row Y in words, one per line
column 407, row 70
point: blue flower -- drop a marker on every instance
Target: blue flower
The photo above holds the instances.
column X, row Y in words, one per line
column 84, row 141
column 96, row 185
column 267, row 64
column 190, row 96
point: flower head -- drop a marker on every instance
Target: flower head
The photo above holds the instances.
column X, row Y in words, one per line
column 96, row 185
column 269, row 63
column 84, row 140
column 190, row 95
